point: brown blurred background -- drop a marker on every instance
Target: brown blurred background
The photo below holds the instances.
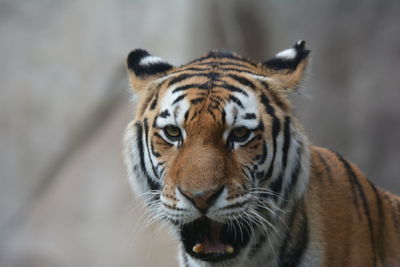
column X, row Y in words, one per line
column 64, row 102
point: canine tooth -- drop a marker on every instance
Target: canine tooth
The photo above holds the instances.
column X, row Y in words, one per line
column 229, row 249
column 198, row 248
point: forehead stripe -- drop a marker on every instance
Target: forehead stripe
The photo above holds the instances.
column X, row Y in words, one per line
column 232, row 88
column 185, row 87
column 234, row 59
column 193, row 69
column 243, row 70
column 243, row 81
column 225, row 65
column 183, row 77
column 196, row 101
column 180, row 78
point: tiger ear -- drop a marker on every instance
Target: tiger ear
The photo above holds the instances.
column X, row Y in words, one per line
column 287, row 67
column 144, row 68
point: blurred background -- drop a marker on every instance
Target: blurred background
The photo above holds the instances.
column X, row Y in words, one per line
column 64, row 103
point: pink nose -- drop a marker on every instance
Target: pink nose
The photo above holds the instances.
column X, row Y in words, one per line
column 202, row 200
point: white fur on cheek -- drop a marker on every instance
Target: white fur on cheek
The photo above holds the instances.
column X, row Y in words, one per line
column 137, row 179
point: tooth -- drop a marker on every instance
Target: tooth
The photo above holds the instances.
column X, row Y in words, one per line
column 198, row 248
column 229, row 249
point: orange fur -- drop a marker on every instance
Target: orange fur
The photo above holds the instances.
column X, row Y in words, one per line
column 345, row 235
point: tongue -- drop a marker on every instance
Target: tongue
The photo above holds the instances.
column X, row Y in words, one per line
column 212, row 243
column 208, row 247
column 213, row 246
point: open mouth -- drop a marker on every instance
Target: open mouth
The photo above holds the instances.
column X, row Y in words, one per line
column 209, row 240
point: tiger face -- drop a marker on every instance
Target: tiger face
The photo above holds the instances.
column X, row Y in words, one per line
column 215, row 151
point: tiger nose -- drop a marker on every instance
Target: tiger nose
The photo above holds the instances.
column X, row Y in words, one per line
column 203, row 199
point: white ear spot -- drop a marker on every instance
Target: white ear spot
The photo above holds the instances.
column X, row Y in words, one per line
column 151, row 60
column 287, row 54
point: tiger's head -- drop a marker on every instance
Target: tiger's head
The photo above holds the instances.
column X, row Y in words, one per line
column 214, row 148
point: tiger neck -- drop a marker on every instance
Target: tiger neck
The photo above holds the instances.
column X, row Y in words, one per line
column 288, row 239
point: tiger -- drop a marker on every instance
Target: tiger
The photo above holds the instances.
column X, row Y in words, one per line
column 216, row 152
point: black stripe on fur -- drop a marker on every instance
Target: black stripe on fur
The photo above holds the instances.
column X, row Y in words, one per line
column 139, row 137
column 276, row 127
column 327, row 168
column 243, row 81
column 232, row 88
column 146, row 132
column 296, row 240
column 357, row 186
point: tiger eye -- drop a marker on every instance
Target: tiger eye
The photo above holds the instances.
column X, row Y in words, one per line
column 240, row 134
column 172, row 132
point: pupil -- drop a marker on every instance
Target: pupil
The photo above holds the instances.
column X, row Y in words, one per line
column 240, row 132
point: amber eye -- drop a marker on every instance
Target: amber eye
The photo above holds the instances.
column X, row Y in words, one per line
column 172, row 132
column 239, row 134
